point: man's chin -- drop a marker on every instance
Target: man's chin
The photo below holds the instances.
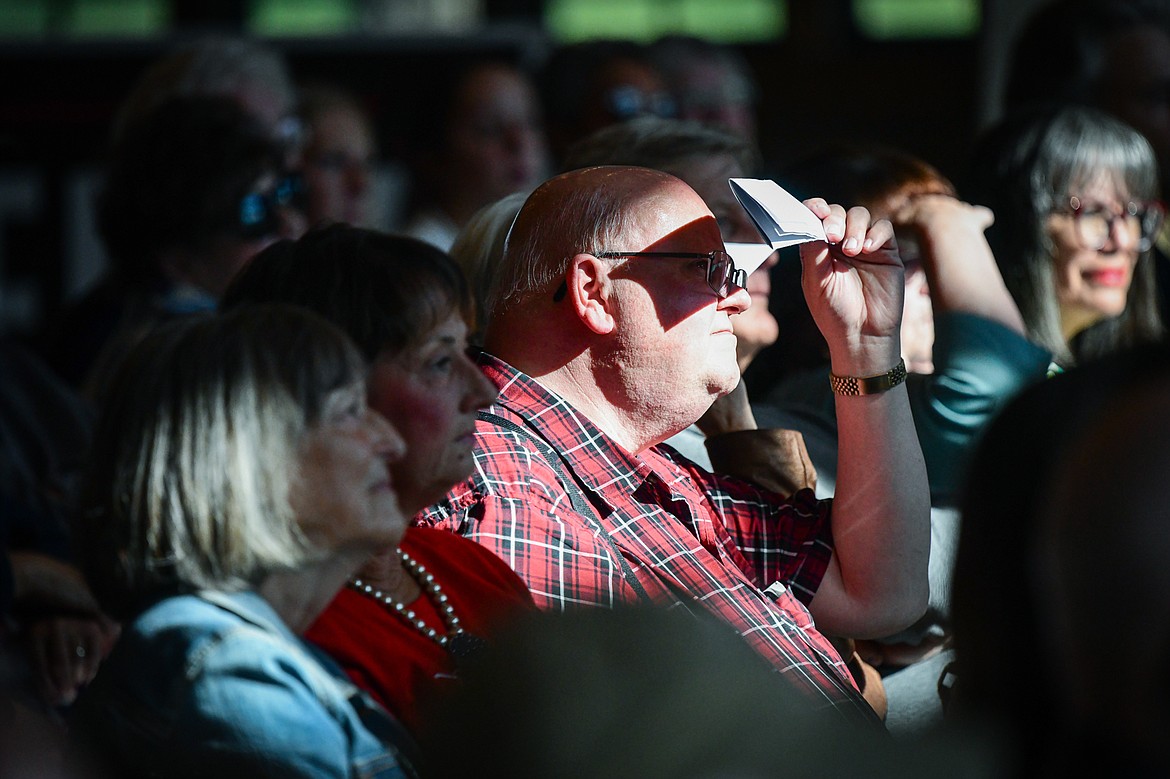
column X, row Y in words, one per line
column 724, row 382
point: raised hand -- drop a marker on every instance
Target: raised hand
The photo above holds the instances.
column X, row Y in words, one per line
column 854, row 285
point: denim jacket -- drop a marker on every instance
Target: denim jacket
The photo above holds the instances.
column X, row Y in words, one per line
column 215, row 684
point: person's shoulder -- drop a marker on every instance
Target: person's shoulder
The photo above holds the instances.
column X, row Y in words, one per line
column 180, row 621
column 431, row 544
column 441, row 549
column 509, row 455
column 161, row 664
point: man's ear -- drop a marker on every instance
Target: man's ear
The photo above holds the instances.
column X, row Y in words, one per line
column 589, row 292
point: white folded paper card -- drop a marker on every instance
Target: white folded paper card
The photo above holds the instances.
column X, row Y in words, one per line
column 749, row 256
column 781, row 219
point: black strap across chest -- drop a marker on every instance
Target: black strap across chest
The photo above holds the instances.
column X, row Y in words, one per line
column 576, row 497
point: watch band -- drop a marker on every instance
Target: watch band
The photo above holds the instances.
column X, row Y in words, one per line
column 869, row 385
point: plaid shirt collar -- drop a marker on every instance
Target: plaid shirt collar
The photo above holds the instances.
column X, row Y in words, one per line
column 599, row 461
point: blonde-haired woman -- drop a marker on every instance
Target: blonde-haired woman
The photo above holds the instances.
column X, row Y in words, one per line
column 238, row 479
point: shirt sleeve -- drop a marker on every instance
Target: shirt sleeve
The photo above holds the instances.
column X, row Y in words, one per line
column 979, row 366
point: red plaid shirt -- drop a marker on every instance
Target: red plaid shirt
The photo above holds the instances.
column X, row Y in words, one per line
column 691, row 539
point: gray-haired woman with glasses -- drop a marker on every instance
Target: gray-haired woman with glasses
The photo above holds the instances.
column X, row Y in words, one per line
column 1074, row 193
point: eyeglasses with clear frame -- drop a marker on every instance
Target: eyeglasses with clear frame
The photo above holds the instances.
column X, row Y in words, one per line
column 1094, row 223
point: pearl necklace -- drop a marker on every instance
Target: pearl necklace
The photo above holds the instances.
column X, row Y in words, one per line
column 460, row 644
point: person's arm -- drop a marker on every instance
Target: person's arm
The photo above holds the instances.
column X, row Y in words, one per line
column 65, row 633
column 982, row 355
column 876, row 583
column 960, row 269
column 774, row 459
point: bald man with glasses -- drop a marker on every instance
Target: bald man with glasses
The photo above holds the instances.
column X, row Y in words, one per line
column 610, row 330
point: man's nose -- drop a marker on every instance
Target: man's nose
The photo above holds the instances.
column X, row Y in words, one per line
column 737, row 301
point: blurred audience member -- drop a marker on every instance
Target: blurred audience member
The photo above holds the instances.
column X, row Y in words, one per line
column 1114, row 713
column 479, row 137
column 191, row 192
column 659, row 695
column 1075, row 194
column 710, row 83
column 237, row 480
column 590, row 85
column 338, row 156
column 1054, row 556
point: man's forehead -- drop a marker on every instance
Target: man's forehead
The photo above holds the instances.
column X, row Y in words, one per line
column 669, row 209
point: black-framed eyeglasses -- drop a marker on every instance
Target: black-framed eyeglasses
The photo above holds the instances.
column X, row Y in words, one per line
column 722, row 274
column 259, row 210
column 1094, row 223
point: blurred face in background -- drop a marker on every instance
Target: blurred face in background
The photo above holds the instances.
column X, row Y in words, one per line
column 495, row 143
column 268, row 212
column 622, row 89
column 337, row 167
column 917, row 332
column 714, row 94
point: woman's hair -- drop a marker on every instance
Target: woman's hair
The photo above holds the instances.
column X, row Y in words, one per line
column 1031, row 164
column 385, row 291
column 195, row 452
column 1006, row 674
column 479, row 248
column 175, row 179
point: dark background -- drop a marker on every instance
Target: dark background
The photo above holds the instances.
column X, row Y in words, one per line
column 824, row 81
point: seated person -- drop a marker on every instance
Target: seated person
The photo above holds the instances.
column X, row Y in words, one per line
column 238, row 479
column 477, row 136
column 338, row 157
column 191, row 192
column 414, row 614
column 1081, row 533
column 52, row 629
column 1075, row 193
column 622, row 274
column 705, row 159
